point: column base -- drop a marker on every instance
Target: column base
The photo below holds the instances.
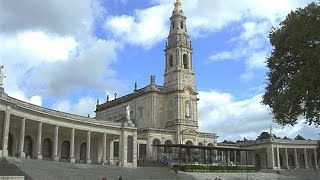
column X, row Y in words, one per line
column 110, row 163
column 56, row 158
column 39, row 156
column 103, row 162
column 5, row 153
column 306, row 167
column 88, row 161
column 22, row 155
column 297, row 167
column 72, row 160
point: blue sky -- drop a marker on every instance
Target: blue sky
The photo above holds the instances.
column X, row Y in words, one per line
column 66, row 54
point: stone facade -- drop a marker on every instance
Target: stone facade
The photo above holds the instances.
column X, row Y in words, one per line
column 165, row 113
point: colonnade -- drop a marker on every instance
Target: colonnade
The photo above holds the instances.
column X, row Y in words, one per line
column 291, row 157
column 103, row 150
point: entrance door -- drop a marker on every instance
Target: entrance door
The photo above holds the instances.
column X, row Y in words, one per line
column 28, row 146
column 65, row 150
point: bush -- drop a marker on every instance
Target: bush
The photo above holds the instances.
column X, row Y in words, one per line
column 217, row 169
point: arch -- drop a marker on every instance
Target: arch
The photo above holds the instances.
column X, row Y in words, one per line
column 168, row 149
column 156, row 149
column 46, row 149
column 200, row 144
column 181, row 24
column 10, row 145
column 301, row 160
column 170, row 60
column 65, row 150
column 28, row 146
column 172, row 24
column 210, row 144
column 185, row 61
column 83, row 151
column 189, row 143
column 291, row 160
column 257, row 160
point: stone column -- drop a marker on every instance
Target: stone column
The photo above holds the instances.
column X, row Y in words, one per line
column 72, row 159
column 296, row 165
column 315, row 158
column 104, row 152
column 278, row 157
column 134, row 161
column 110, row 158
column 123, row 148
column 270, row 156
column 228, row 157
column 286, row 157
column 88, row 161
column 39, row 140
column 6, row 127
column 235, row 158
column 55, row 143
column 306, row 158
column 22, row 132
column 222, row 156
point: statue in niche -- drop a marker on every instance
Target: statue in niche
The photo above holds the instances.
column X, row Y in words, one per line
column 187, row 109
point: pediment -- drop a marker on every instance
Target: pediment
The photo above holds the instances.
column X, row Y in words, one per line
column 189, row 132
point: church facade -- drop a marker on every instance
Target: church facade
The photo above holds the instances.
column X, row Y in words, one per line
column 128, row 128
column 165, row 114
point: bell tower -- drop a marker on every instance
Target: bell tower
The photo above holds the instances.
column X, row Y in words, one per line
column 178, row 54
column 179, row 81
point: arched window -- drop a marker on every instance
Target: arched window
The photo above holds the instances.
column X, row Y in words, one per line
column 181, row 24
column 185, row 62
column 140, row 112
column 171, row 60
column 168, row 149
column 172, row 24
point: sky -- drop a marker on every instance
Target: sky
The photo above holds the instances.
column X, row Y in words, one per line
column 65, row 55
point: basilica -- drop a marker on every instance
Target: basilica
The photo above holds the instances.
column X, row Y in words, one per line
column 156, row 122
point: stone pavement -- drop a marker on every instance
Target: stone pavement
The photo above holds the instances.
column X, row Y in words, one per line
column 9, row 169
column 50, row 170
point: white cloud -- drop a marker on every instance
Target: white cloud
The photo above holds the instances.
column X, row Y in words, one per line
column 234, row 119
column 83, row 106
column 145, row 28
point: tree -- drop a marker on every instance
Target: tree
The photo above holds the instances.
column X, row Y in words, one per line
column 293, row 83
column 264, row 135
column 299, row 137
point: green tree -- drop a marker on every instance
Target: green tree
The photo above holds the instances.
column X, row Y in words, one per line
column 264, row 135
column 293, row 83
column 299, row 137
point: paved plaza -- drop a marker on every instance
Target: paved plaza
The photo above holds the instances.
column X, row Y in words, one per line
column 34, row 169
